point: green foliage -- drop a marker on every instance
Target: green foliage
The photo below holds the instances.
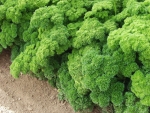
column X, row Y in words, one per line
column 74, row 9
column 104, row 9
column 132, row 105
column 46, row 17
column 87, row 33
column 96, row 52
column 67, row 88
column 8, row 34
column 2, row 12
column 140, row 86
column 117, row 93
column 132, row 38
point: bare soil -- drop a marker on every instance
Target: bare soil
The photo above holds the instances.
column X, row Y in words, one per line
column 27, row 94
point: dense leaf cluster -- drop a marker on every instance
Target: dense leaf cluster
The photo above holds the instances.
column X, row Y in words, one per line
column 96, row 52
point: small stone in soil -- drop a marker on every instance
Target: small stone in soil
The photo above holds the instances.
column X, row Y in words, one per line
column 30, row 109
column 1, row 71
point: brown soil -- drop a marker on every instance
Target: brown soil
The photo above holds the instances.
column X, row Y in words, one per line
column 27, row 94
